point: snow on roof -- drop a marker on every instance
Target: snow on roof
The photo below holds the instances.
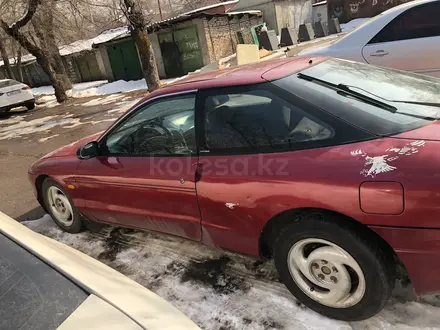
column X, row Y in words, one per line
column 24, row 59
column 244, row 12
column 110, row 34
column 211, row 6
column 319, row 3
column 80, row 45
column 187, row 16
column 246, row 4
column 76, row 47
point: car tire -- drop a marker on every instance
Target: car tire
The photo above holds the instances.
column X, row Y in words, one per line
column 333, row 268
column 30, row 106
column 61, row 208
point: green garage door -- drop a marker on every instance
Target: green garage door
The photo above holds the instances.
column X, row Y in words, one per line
column 124, row 61
column 180, row 51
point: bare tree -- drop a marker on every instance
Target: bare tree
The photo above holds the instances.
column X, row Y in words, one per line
column 16, row 51
column 43, row 24
column 14, row 30
column 138, row 26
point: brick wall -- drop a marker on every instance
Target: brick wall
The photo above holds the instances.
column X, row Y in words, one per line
column 346, row 10
column 221, row 33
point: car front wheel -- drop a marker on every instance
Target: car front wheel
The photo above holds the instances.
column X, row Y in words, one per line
column 334, row 269
column 60, row 206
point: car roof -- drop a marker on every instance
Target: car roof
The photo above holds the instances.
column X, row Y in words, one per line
column 242, row 75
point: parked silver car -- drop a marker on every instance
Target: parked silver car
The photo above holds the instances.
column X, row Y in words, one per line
column 405, row 37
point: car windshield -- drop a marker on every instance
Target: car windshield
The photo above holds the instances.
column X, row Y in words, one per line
column 378, row 95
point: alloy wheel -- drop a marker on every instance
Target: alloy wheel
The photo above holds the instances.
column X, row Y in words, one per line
column 326, row 273
column 60, row 206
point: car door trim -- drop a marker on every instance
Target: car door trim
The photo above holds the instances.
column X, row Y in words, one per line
column 135, row 185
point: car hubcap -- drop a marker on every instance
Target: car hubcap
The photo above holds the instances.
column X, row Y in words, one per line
column 60, row 206
column 326, row 273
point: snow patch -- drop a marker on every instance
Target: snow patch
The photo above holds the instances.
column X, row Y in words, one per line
column 77, row 88
column 12, row 121
column 20, row 128
column 101, row 87
column 48, row 138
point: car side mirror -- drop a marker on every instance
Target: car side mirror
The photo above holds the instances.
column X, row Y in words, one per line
column 88, row 151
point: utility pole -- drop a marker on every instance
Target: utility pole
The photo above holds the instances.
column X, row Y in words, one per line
column 160, row 10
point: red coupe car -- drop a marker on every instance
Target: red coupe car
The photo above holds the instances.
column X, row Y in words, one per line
column 330, row 167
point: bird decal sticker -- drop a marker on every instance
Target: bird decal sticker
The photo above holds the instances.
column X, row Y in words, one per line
column 380, row 164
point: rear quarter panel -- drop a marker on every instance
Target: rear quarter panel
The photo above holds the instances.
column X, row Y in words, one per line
column 239, row 194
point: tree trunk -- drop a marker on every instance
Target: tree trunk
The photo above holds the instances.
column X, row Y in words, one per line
column 42, row 59
column 147, row 58
column 57, row 61
column 5, row 59
column 48, row 43
column 138, row 27
column 19, row 68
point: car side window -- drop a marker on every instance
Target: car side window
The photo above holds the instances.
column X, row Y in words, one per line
column 418, row 22
column 164, row 127
column 258, row 120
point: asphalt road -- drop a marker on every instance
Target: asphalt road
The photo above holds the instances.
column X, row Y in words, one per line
column 26, row 136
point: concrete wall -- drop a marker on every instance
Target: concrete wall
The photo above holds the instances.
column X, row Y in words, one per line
column 157, row 54
column 104, row 63
column 320, row 13
column 100, row 61
column 269, row 14
column 221, row 33
column 293, row 13
column 346, row 10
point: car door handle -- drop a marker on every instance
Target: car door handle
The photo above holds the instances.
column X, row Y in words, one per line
column 379, row 53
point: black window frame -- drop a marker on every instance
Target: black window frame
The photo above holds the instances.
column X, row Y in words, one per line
column 399, row 17
column 335, row 123
column 102, row 149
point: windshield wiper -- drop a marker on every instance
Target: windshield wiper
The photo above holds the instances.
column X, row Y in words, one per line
column 344, row 90
column 429, row 104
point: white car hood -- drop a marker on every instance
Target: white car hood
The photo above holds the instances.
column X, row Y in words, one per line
column 145, row 308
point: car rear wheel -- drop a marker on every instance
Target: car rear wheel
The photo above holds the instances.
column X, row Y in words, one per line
column 30, row 106
column 334, row 269
column 61, row 208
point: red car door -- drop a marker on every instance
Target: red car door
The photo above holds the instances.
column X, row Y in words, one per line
column 253, row 159
column 145, row 174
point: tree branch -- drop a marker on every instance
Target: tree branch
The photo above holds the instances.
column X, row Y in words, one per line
column 33, row 5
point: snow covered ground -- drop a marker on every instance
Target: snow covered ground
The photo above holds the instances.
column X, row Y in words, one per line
column 20, row 126
column 220, row 290
column 101, row 87
column 353, row 24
